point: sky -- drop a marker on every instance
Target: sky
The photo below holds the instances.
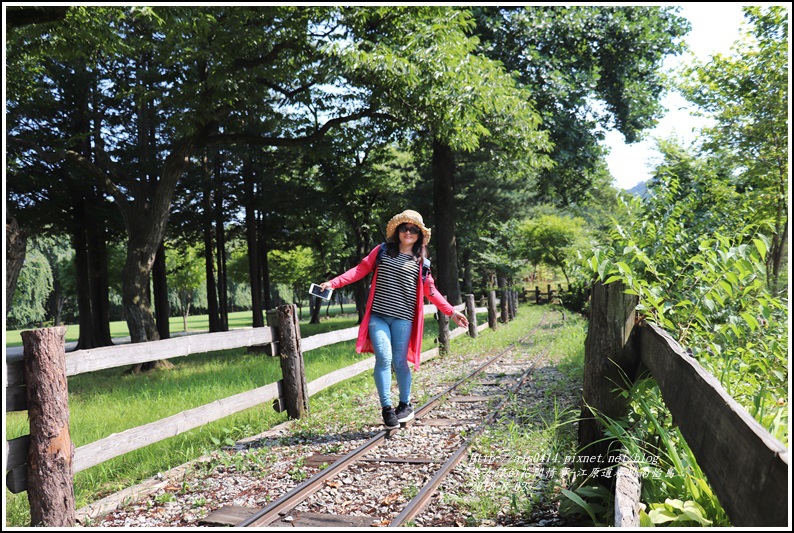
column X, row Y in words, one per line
column 715, row 27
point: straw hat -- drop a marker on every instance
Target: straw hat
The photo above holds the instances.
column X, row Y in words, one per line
column 408, row 216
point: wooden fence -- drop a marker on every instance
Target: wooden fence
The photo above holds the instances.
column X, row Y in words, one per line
column 745, row 465
column 45, row 461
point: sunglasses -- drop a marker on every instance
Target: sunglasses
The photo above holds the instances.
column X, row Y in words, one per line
column 409, row 229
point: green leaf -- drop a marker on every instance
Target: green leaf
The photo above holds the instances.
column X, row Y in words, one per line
column 751, row 321
column 662, row 516
column 761, row 247
column 693, row 511
column 581, row 503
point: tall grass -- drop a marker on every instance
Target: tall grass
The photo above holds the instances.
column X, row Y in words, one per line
column 110, row 401
column 675, row 491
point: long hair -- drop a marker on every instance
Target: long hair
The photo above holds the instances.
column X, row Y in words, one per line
column 419, row 250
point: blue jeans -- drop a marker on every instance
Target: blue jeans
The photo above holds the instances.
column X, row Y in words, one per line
column 390, row 337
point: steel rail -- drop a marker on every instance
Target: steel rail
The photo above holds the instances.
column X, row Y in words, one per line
column 300, row 492
column 418, row 503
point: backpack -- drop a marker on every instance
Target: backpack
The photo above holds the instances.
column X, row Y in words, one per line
column 425, row 264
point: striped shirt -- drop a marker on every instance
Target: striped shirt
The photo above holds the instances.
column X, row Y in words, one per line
column 395, row 290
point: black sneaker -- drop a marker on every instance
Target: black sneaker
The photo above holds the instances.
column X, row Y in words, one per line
column 404, row 412
column 390, row 418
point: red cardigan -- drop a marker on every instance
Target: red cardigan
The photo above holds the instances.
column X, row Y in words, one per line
column 424, row 289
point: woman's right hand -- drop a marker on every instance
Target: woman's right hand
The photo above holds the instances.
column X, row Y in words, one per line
column 325, row 285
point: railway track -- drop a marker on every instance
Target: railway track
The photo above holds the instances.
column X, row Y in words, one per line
column 388, row 469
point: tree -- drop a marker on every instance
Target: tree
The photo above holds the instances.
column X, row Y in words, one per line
column 295, row 268
column 29, row 305
column 553, row 240
column 587, row 69
column 16, row 245
column 747, row 96
column 186, row 273
column 185, row 86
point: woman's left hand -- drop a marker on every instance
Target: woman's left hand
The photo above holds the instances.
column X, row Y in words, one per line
column 460, row 319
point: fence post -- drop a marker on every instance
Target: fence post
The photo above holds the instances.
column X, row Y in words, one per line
column 471, row 315
column 492, row 310
column 50, row 482
column 515, row 303
column 510, row 310
column 296, row 397
column 443, row 333
column 272, row 322
column 610, row 360
column 537, row 294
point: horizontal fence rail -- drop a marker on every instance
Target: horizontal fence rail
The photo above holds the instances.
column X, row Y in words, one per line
column 745, row 464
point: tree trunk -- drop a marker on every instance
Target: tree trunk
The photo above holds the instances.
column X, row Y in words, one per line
column 55, row 301
column 444, row 232
column 16, row 244
column 252, row 240
column 220, row 253
column 98, row 279
column 161, row 305
column 135, row 301
column 209, row 256
column 87, row 338
column 264, row 266
column 315, row 306
column 468, row 283
column 140, row 319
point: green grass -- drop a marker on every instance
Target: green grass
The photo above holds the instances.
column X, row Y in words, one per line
column 110, row 401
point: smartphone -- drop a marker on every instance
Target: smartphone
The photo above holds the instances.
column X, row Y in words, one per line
column 316, row 290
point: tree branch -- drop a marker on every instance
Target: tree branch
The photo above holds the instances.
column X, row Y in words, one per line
column 93, row 170
column 258, row 140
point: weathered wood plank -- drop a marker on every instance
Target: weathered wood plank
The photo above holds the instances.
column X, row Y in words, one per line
column 746, row 466
column 82, row 361
column 310, row 521
column 337, row 376
column 17, row 479
column 17, row 451
column 15, row 371
column 126, row 441
column 628, row 486
column 443, row 422
column 469, row 399
column 16, row 399
column 331, row 337
column 228, row 515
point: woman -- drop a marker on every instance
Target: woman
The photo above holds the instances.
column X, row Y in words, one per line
column 393, row 323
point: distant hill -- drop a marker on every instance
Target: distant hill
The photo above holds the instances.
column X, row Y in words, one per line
column 640, row 190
